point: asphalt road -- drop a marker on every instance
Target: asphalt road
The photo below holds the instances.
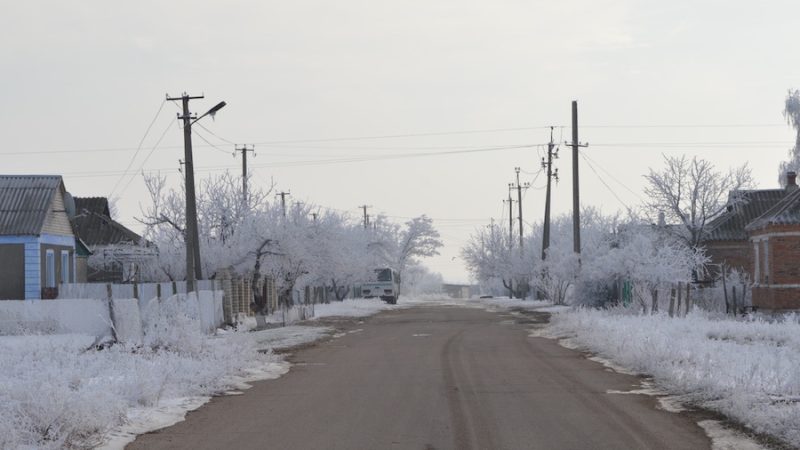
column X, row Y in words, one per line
column 436, row 378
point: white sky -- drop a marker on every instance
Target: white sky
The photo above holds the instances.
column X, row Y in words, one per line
column 91, row 75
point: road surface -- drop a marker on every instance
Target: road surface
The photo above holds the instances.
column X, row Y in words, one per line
column 435, row 377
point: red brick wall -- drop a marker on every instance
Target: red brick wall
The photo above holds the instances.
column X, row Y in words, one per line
column 784, row 268
column 776, row 299
column 784, row 260
column 735, row 254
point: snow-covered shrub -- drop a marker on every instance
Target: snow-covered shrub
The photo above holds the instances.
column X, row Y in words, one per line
column 744, row 369
column 59, row 392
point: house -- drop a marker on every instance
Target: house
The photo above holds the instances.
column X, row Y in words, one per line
column 37, row 241
column 775, row 240
column 727, row 242
column 117, row 251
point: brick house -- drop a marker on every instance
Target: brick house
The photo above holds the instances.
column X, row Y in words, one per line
column 37, row 242
column 727, row 242
column 775, row 241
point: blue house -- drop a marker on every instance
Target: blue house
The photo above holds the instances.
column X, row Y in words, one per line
column 37, row 241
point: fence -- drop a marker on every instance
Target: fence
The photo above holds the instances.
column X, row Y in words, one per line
column 121, row 319
column 237, row 297
column 239, row 293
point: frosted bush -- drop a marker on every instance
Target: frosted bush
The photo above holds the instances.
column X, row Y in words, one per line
column 54, row 393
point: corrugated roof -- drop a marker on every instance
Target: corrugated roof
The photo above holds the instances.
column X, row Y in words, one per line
column 785, row 212
column 99, row 229
column 97, row 205
column 24, row 201
column 744, row 206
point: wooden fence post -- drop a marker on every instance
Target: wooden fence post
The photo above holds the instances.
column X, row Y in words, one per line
column 688, row 297
column 672, row 302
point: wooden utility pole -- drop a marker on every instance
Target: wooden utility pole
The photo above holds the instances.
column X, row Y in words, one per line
column 519, row 187
column 576, row 203
column 244, row 151
column 283, row 195
column 548, row 165
column 510, row 219
column 194, row 270
column 366, row 216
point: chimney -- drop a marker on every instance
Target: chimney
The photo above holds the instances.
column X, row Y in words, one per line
column 791, row 181
column 662, row 221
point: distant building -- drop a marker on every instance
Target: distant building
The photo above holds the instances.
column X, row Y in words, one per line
column 37, row 241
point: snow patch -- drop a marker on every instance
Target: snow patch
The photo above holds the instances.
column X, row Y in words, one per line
column 723, row 438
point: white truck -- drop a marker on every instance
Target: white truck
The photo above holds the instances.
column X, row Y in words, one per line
column 385, row 285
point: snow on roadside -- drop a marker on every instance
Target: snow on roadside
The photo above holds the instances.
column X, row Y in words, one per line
column 57, row 391
column 287, row 337
column 360, row 307
column 746, row 370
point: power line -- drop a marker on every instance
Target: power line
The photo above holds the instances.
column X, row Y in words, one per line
column 202, row 138
column 216, row 135
column 405, row 135
column 133, row 176
column 139, row 147
column 611, row 175
column 604, row 183
column 700, row 144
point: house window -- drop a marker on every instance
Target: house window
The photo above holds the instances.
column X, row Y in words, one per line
column 64, row 266
column 50, row 269
column 766, row 261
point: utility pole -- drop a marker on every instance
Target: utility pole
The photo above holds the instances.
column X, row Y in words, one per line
column 194, row 271
column 576, row 203
column 283, row 195
column 366, row 216
column 550, row 175
column 244, row 151
column 510, row 219
column 519, row 187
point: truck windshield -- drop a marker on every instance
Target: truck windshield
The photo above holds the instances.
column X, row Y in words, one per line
column 384, row 274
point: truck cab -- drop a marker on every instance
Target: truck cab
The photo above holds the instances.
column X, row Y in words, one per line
column 385, row 284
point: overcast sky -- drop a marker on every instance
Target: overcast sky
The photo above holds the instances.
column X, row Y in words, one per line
column 81, row 82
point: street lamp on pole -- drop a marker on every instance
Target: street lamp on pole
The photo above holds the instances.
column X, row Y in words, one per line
column 194, row 270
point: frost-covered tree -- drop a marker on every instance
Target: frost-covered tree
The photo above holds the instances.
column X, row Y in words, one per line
column 791, row 112
column 691, row 192
column 652, row 260
column 255, row 238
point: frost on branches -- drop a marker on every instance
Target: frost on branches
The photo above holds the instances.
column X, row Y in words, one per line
column 645, row 255
column 302, row 246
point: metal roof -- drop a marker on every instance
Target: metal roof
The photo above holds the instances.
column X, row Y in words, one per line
column 99, row 229
column 744, row 206
column 24, row 202
column 97, row 205
column 785, row 212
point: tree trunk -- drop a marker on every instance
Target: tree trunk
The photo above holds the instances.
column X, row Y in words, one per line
column 680, row 297
column 509, row 286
